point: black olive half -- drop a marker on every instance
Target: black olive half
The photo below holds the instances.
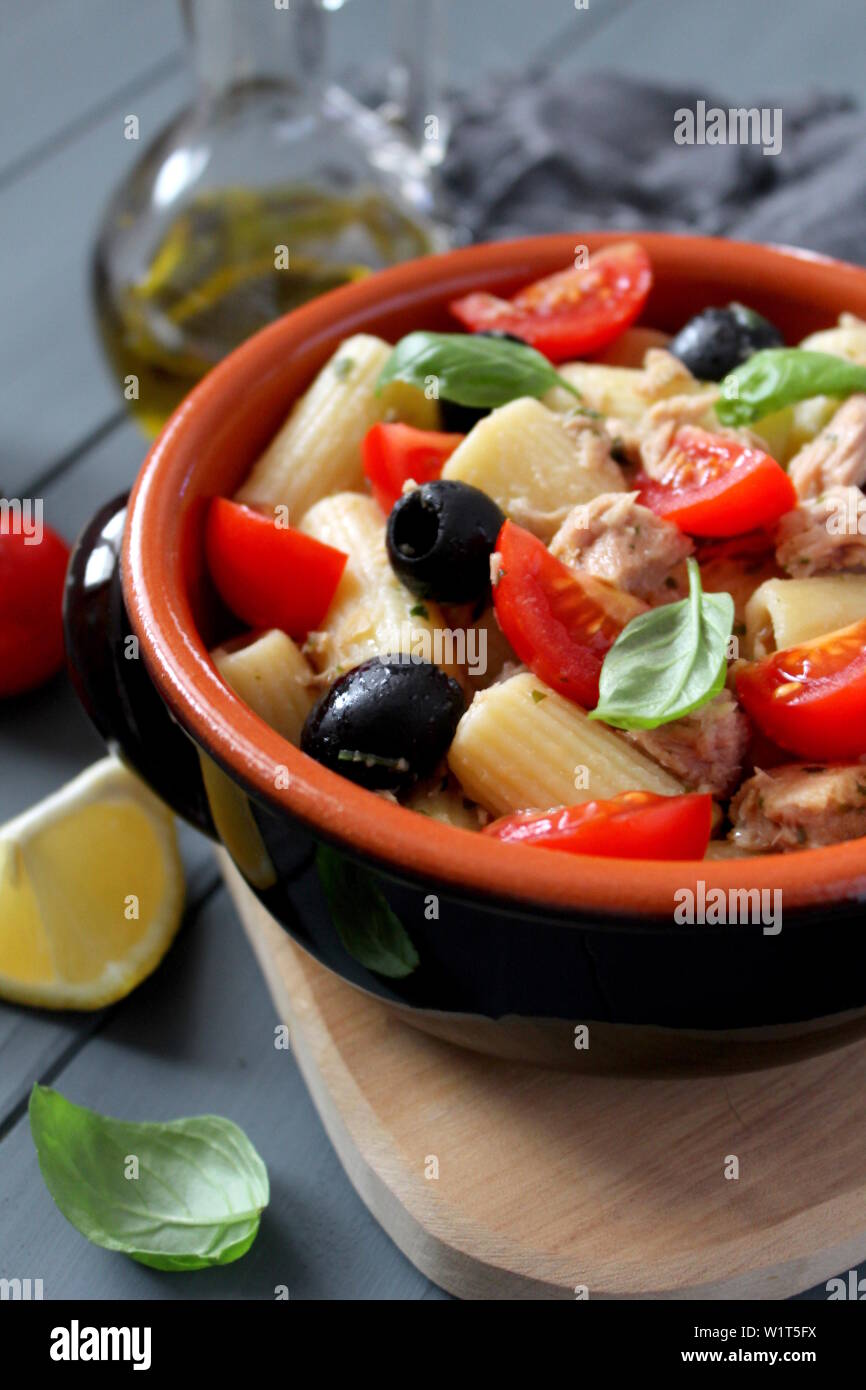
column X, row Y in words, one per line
column 716, row 341
column 440, row 538
column 459, row 419
column 386, row 723
column 756, row 332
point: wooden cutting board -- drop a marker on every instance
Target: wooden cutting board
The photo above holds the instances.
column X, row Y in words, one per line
column 502, row 1180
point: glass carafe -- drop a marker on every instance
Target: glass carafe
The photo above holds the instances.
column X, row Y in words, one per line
column 275, row 185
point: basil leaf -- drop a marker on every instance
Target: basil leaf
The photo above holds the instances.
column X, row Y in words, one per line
column 667, row 662
column 470, row 369
column 197, row 1199
column 369, row 929
column 779, row 376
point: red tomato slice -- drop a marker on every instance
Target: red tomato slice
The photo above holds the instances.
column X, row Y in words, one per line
column 394, row 453
column 32, row 574
column 572, row 313
column 716, row 486
column 811, row 699
column 270, row 575
column 634, row 825
column 556, row 624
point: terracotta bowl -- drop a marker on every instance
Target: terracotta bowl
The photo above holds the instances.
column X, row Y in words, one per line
column 514, row 947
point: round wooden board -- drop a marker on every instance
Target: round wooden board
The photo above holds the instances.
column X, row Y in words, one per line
column 550, row 1182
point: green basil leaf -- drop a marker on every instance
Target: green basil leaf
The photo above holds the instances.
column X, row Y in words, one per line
column 667, row 662
column 470, row 369
column 198, row 1197
column 369, row 929
column 777, row 377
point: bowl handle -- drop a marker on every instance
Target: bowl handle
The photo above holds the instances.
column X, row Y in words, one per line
column 110, row 677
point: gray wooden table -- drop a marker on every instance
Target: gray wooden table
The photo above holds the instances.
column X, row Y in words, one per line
column 198, row 1036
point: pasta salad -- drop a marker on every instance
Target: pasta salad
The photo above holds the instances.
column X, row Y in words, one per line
column 567, row 581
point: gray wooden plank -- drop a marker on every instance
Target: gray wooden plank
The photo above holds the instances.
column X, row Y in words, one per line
column 57, row 389
column 744, row 50
column 60, row 60
column 199, row 1037
column 470, row 39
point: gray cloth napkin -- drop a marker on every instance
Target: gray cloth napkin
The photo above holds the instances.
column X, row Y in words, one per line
column 551, row 152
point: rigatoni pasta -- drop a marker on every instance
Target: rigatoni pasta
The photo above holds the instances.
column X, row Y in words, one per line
column 271, row 674
column 525, row 459
column 521, row 746
column 318, row 449
column 784, row 612
column 625, row 393
column 372, row 613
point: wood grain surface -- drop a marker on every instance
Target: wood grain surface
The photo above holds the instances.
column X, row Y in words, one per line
column 502, row 1180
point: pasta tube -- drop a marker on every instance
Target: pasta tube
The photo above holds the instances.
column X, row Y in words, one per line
column 273, row 677
column 536, row 471
column 520, row 746
column 783, row 612
column 317, row 451
column 372, row 613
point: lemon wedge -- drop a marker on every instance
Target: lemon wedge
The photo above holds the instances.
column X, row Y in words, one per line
column 91, row 892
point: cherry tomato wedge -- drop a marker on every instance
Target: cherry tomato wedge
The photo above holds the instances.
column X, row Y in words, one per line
column 716, row 486
column 572, row 313
column 270, row 575
column 634, row 825
column 394, row 453
column 811, row 699
column 32, row 574
column 556, row 624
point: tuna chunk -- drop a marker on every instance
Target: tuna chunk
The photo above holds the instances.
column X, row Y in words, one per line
column 799, row 806
column 661, row 422
column 661, row 371
column 616, row 539
column 705, row 749
column 837, row 456
column 823, row 534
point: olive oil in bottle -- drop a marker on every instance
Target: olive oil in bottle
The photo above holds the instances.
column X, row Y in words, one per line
column 231, row 262
column 274, row 185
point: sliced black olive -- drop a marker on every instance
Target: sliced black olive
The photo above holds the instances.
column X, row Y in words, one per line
column 756, row 332
column 716, row 341
column 440, row 538
column 386, row 723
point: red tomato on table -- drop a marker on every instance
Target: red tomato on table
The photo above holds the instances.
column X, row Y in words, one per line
column 553, row 621
column 270, row 575
column 394, row 453
column 634, row 825
column 811, row 699
column 32, row 574
column 717, row 486
column 572, row 313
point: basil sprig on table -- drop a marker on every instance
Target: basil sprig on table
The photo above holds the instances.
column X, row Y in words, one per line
column 778, row 377
column 194, row 1197
column 667, row 662
column 471, row 369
